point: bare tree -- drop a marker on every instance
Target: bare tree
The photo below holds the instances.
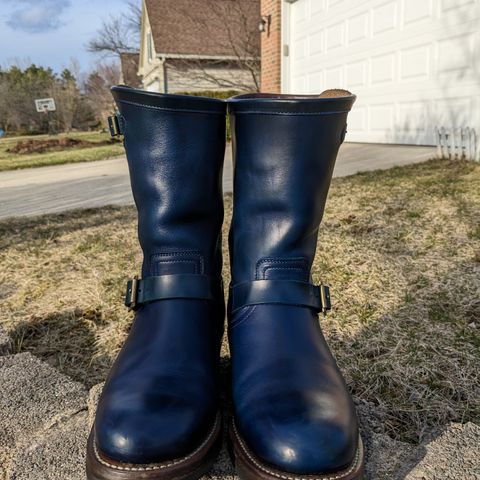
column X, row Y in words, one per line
column 66, row 93
column 118, row 34
column 97, row 90
column 133, row 16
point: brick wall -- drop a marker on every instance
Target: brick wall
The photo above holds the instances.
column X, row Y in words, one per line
column 270, row 77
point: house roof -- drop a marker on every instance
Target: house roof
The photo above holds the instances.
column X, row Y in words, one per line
column 129, row 66
column 205, row 27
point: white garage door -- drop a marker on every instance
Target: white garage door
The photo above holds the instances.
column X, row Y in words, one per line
column 414, row 64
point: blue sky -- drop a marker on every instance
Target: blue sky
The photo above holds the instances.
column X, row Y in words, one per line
column 51, row 32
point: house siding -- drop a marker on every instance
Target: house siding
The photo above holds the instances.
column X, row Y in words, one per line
column 183, row 78
column 151, row 70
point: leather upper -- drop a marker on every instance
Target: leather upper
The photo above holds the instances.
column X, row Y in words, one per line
column 161, row 397
column 291, row 405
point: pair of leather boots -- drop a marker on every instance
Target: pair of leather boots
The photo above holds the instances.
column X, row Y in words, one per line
column 158, row 416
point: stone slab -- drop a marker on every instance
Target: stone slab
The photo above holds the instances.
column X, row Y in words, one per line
column 34, row 397
column 57, row 454
column 453, row 455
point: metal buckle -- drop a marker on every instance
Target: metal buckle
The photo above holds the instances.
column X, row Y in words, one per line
column 325, row 298
column 114, row 126
column 132, row 293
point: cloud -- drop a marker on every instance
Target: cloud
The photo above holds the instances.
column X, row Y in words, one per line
column 37, row 16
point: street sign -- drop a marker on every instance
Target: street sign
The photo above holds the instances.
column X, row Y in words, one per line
column 45, row 105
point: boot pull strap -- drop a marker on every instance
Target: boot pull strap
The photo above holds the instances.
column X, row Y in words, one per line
column 193, row 286
column 283, row 292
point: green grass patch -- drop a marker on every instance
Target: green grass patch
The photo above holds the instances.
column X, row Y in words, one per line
column 12, row 161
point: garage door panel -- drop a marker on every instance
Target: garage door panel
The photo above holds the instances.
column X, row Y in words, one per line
column 455, row 111
column 356, row 74
column 317, row 7
column 385, row 17
column 300, row 49
column 415, row 11
column 415, row 63
column 414, row 116
column 335, row 36
column 455, row 53
column 299, row 84
column 316, row 43
column 316, row 82
column 382, row 69
column 381, row 117
column 334, row 76
column 358, row 27
column 357, row 120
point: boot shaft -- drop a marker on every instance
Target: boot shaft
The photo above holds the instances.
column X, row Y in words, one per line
column 284, row 150
column 175, row 147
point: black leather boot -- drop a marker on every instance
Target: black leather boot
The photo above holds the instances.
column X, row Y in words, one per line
column 293, row 416
column 158, row 416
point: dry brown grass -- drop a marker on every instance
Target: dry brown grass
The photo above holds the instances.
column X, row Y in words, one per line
column 401, row 250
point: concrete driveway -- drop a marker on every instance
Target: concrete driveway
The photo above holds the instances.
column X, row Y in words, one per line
column 54, row 189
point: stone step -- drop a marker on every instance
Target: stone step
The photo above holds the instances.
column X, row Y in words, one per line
column 453, row 454
column 34, row 399
column 57, row 454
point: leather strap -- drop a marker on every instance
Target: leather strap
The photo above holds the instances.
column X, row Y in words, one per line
column 285, row 292
column 140, row 291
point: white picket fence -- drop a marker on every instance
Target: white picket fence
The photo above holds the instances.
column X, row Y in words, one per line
column 457, row 143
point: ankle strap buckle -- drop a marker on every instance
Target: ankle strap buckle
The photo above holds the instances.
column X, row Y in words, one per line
column 132, row 293
column 325, row 301
column 116, row 125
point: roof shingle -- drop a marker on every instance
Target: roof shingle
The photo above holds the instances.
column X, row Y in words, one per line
column 205, row 27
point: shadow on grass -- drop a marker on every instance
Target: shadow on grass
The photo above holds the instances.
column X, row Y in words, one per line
column 78, row 358
column 51, row 226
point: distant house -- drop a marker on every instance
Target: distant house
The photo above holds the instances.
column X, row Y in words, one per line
column 129, row 70
column 414, row 64
column 189, row 45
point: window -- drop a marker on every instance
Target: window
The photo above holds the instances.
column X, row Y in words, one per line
column 149, row 47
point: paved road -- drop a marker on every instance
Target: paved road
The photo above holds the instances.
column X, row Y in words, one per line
column 41, row 190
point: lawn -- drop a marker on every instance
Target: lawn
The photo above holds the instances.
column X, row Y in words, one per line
column 400, row 249
column 12, row 161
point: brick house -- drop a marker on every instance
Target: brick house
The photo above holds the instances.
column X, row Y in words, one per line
column 414, row 65
column 196, row 45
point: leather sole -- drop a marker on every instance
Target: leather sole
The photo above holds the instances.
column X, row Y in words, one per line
column 249, row 467
column 190, row 467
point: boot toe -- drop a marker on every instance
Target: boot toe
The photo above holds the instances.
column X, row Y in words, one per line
column 304, row 448
column 151, row 436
